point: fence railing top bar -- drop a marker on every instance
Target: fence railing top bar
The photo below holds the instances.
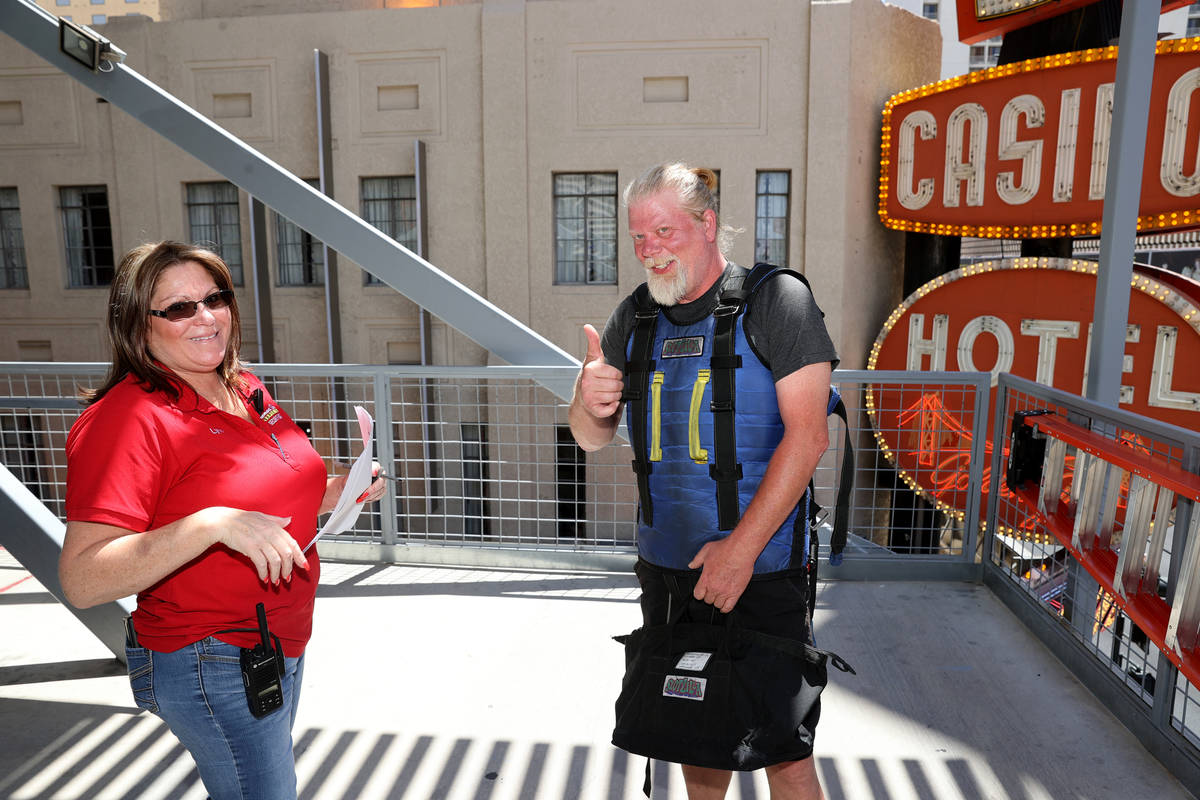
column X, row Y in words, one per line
column 42, row 403
column 403, row 370
column 52, row 367
column 318, row 370
column 870, row 376
column 415, row 371
column 1116, row 416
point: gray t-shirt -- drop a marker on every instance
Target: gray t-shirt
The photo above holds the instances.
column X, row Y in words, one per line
column 782, row 320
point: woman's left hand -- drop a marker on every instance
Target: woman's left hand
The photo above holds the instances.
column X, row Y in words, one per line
column 337, row 483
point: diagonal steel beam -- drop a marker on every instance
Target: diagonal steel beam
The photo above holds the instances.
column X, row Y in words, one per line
column 34, row 536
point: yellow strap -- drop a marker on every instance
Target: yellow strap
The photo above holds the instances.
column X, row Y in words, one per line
column 656, row 417
column 698, row 453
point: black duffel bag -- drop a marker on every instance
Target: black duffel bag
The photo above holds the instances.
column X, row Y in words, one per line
column 719, row 695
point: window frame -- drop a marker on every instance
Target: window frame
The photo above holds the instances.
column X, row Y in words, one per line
column 393, row 222
column 96, row 262
column 228, row 248
column 14, row 266
column 762, row 221
column 594, row 268
column 312, row 251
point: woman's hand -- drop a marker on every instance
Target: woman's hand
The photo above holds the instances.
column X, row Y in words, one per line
column 337, row 483
column 263, row 538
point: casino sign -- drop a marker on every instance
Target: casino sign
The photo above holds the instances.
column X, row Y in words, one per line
column 1030, row 317
column 1021, row 150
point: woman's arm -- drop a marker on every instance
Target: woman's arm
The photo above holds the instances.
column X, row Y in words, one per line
column 100, row 563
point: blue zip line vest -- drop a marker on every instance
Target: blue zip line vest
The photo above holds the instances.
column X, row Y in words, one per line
column 699, row 444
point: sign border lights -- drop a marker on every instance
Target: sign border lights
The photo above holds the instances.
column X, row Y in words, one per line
column 1021, row 150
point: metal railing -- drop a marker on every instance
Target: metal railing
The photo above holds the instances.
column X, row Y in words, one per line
column 488, row 473
column 1045, row 577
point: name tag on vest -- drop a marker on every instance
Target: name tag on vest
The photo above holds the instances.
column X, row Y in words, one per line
column 684, row 347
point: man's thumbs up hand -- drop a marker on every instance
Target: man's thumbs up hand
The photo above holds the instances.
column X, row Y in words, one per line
column 600, row 383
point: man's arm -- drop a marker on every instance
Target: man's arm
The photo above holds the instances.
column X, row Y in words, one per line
column 729, row 563
column 595, row 409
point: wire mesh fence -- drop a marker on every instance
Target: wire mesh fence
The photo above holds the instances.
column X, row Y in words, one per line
column 483, row 457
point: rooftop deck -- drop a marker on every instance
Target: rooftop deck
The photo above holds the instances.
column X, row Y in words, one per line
column 428, row 682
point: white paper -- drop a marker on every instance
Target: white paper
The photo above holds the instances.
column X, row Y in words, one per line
column 345, row 513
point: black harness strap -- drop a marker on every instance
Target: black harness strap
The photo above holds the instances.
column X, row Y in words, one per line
column 725, row 469
column 637, row 391
column 841, row 510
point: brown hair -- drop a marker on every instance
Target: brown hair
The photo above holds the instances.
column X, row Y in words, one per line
column 128, row 318
column 696, row 188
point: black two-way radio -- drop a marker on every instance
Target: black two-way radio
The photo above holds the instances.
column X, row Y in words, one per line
column 262, row 668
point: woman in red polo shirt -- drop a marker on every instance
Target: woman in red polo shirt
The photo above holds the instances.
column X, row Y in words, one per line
column 189, row 486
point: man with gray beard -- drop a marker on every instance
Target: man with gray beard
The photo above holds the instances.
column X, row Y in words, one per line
column 721, row 524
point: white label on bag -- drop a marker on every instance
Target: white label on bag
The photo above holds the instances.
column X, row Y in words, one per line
column 684, row 686
column 694, row 661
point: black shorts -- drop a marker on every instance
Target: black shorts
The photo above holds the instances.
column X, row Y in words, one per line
column 775, row 603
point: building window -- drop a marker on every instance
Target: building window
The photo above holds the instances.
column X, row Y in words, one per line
column 585, row 228
column 214, row 218
column 62, row 2
column 13, row 274
column 475, row 475
column 985, row 55
column 87, row 232
column 771, row 217
column 99, row 19
column 571, row 468
column 1193, row 20
column 929, row 10
column 390, row 204
column 300, row 255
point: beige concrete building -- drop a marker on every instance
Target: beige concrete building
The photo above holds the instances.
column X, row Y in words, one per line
column 533, row 116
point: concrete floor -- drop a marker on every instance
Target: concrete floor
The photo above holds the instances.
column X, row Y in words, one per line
column 430, row 682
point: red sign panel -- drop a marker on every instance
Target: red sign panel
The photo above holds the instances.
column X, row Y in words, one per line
column 983, row 19
column 1021, row 151
column 1029, row 317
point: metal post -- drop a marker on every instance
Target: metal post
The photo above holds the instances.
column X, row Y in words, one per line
column 264, row 320
column 333, row 314
column 333, row 310
column 1131, row 109
column 428, row 411
column 386, row 456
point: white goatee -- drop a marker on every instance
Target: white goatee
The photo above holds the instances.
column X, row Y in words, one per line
column 668, row 289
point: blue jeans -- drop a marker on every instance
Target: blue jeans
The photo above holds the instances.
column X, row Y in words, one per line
column 197, row 690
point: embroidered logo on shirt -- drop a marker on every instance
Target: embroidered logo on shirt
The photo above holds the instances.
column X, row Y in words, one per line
column 684, row 347
column 215, row 430
column 685, row 687
column 271, row 415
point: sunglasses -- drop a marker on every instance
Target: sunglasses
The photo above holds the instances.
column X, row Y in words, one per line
column 186, row 309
